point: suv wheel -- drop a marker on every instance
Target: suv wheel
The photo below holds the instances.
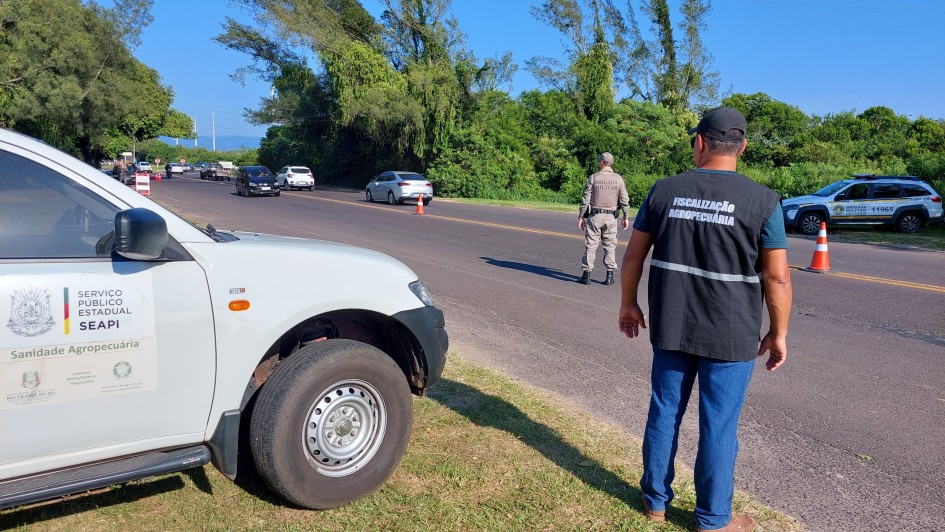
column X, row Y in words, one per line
column 909, row 222
column 809, row 223
column 390, row 198
column 331, row 423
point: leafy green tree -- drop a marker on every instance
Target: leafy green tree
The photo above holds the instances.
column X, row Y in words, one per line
column 664, row 70
column 774, row 128
column 928, row 133
column 177, row 125
column 74, row 83
column 595, row 79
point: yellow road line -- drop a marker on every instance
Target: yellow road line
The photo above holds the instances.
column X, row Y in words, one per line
column 881, row 280
column 452, row 219
column 867, row 278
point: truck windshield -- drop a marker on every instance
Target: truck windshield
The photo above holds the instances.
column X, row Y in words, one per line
column 830, row 189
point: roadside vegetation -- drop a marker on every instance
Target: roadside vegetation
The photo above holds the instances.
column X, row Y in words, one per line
column 487, row 453
column 355, row 94
column 931, row 237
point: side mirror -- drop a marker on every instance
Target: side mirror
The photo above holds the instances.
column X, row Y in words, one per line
column 140, row 234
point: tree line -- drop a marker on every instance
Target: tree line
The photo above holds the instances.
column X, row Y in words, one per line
column 355, row 95
column 68, row 76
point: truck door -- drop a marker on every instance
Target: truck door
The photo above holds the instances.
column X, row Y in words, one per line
column 99, row 356
column 851, row 204
column 885, row 201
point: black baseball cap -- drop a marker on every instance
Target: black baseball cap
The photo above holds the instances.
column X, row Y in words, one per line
column 716, row 123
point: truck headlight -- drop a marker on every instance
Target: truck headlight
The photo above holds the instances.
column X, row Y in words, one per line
column 422, row 293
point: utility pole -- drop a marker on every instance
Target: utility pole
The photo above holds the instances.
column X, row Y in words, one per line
column 213, row 129
column 195, row 133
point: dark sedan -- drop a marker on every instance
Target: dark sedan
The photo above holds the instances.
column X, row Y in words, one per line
column 256, row 181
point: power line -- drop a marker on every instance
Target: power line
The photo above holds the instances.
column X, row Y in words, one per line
column 839, row 6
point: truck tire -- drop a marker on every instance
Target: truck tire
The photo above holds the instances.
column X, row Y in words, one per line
column 331, row 424
column 910, row 222
column 809, row 223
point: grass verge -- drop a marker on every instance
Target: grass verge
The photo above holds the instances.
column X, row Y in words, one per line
column 931, row 237
column 486, row 453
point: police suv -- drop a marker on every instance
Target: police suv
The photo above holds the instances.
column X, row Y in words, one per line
column 134, row 344
column 904, row 202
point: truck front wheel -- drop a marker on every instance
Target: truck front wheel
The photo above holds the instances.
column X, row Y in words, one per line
column 331, row 424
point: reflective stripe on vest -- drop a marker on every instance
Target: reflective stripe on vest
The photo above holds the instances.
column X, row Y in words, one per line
column 703, row 273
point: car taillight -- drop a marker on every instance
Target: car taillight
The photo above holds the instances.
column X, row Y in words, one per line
column 403, row 184
column 936, row 199
column 428, row 184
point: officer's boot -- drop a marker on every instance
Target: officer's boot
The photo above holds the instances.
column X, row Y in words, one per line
column 610, row 277
column 585, row 278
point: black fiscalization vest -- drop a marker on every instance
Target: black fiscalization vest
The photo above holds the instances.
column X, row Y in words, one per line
column 705, row 290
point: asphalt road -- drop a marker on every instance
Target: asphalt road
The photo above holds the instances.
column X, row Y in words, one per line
column 848, row 435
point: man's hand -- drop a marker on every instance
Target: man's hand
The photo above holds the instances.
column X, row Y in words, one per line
column 631, row 320
column 625, row 224
column 581, row 224
column 776, row 347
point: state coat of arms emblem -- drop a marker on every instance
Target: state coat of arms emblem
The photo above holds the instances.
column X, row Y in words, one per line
column 30, row 312
column 30, row 379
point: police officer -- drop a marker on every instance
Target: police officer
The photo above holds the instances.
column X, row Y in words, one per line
column 605, row 194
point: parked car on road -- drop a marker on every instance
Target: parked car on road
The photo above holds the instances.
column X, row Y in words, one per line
column 290, row 177
column 395, row 187
column 143, row 166
column 256, row 181
column 135, row 344
column 904, row 202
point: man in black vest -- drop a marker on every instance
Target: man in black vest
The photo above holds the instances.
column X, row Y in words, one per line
column 719, row 251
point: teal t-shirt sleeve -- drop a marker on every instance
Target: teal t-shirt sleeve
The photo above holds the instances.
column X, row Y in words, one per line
column 772, row 235
column 642, row 220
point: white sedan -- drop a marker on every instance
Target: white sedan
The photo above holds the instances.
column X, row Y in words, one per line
column 290, row 177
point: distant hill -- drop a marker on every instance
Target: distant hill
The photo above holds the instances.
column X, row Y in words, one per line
column 224, row 142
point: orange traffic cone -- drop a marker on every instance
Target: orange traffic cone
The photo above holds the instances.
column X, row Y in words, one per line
column 820, row 263
column 419, row 205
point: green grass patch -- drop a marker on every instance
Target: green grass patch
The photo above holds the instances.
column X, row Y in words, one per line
column 527, row 204
column 486, row 453
column 931, row 237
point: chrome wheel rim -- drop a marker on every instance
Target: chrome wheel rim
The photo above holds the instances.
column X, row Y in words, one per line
column 810, row 225
column 344, row 428
column 909, row 223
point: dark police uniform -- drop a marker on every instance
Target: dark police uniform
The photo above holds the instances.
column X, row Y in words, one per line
column 605, row 194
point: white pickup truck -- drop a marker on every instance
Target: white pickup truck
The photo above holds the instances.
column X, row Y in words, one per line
column 134, row 344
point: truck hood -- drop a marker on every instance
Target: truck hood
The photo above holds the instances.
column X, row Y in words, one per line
column 802, row 200
column 289, row 244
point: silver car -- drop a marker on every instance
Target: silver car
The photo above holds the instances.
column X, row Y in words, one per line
column 395, row 187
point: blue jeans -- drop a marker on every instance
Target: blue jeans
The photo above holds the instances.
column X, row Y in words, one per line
column 722, row 388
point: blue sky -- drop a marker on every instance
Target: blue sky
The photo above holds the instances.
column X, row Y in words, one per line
column 824, row 56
